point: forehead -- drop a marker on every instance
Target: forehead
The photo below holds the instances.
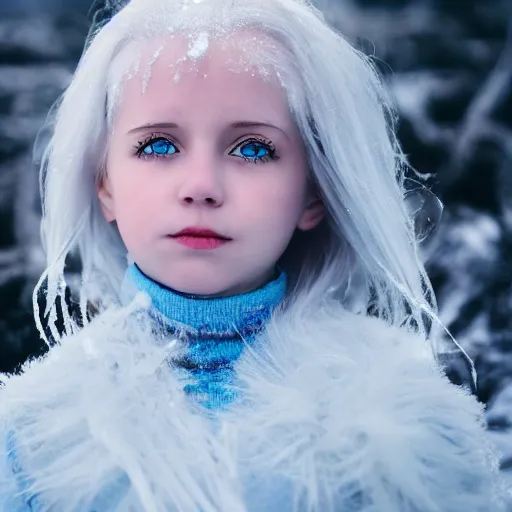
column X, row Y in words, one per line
column 234, row 74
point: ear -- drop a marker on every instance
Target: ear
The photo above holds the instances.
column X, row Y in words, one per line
column 106, row 199
column 312, row 215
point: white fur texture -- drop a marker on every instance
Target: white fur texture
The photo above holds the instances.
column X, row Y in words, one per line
column 341, row 414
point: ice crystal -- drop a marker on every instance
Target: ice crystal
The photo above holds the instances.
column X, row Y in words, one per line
column 198, row 47
column 147, row 73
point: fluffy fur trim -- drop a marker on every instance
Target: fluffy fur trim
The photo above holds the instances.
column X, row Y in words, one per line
column 102, row 424
column 340, row 413
column 355, row 415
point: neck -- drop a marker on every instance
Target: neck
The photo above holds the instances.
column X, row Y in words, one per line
column 204, row 312
column 277, row 272
column 215, row 331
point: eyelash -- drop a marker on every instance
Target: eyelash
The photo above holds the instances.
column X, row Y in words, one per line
column 152, row 139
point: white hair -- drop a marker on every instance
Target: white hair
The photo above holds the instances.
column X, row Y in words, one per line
column 365, row 253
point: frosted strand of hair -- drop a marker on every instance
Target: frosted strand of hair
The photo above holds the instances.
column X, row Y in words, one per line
column 55, row 288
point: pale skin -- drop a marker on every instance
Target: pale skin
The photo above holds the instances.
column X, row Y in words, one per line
column 195, row 173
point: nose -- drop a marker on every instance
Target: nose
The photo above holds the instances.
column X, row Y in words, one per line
column 207, row 200
column 202, row 184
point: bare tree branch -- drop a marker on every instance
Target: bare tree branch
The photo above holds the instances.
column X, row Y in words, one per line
column 477, row 120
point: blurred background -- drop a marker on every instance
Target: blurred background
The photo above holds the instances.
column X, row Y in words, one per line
column 449, row 66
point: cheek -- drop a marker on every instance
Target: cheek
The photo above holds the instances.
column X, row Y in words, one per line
column 277, row 203
column 135, row 197
column 137, row 219
column 288, row 192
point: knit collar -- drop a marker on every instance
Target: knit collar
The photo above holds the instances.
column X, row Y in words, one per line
column 213, row 314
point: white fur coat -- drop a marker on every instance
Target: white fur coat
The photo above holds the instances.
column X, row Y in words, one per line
column 341, row 414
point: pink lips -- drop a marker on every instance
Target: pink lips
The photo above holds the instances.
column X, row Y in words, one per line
column 199, row 231
column 200, row 242
column 200, row 238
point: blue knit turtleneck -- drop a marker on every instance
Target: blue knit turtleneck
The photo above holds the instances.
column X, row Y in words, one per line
column 219, row 330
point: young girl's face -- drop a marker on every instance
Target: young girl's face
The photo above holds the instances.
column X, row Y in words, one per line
column 214, row 148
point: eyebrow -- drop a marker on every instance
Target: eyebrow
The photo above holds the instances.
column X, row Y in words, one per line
column 238, row 124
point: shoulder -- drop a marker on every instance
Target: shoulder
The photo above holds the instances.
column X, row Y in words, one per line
column 331, row 329
column 388, row 369
column 339, row 330
column 90, row 396
column 116, row 337
column 351, row 397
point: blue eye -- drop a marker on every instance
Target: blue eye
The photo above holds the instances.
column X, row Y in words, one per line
column 255, row 151
column 156, row 147
column 250, row 150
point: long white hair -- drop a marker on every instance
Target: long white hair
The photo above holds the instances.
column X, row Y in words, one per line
column 365, row 253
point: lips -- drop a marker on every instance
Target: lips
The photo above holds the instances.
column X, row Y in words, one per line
column 200, row 242
column 199, row 233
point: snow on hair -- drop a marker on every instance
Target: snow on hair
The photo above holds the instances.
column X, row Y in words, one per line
column 365, row 253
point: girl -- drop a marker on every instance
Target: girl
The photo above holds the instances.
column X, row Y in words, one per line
column 254, row 328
